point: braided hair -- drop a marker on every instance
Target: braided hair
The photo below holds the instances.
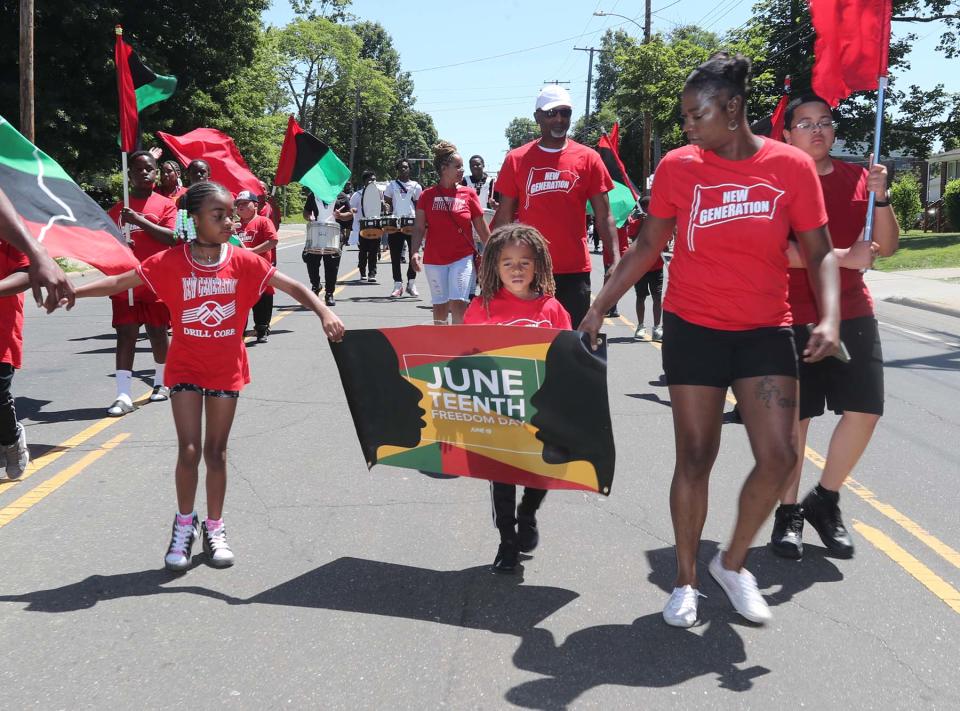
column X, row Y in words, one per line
column 518, row 234
column 443, row 153
column 722, row 72
column 196, row 194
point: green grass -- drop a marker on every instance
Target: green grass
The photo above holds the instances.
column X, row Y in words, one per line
column 68, row 266
column 923, row 250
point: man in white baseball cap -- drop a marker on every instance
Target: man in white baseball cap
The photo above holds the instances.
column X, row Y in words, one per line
column 547, row 183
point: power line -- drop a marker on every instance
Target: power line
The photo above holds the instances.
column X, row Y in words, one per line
column 507, row 54
column 734, row 7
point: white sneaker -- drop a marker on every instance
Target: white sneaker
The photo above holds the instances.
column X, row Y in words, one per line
column 160, row 393
column 181, row 543
column 412, row 289
column 120, row 407
column 17, row 455
column 216, row 547
column 681, row 608
column 658, row 333
column 640, row 333
column 397, row 290
column 741, row 590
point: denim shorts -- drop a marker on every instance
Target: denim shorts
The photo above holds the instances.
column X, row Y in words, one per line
column 451, row 282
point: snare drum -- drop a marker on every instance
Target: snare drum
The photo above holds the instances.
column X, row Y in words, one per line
column 390, row 224
column 371, row 228
column 406, row 225
column 322, row 238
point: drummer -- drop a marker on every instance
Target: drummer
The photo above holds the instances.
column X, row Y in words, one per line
column 401, row 197
column 369, row 248
column 318, row 211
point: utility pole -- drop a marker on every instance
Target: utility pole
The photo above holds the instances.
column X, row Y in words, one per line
column 353, row 129
column 26, row 70
column 591, row 50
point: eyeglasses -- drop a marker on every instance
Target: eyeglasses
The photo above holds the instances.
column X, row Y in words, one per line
column 550, row 113
column 822, row 124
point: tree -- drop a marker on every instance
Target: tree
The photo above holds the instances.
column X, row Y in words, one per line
column 951, row 203
column 76, row 89
column 335, row 10
column 905, row 199
column 605, row 83
column 521, row 130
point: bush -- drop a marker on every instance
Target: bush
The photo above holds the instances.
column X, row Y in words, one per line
column 951, row 203
column 905, row 200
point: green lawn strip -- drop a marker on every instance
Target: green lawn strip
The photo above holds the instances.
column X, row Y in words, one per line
column 923, row 250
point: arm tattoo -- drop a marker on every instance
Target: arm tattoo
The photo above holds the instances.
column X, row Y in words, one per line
column 769, row 392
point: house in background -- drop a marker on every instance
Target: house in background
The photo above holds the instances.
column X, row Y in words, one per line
column 941, row 169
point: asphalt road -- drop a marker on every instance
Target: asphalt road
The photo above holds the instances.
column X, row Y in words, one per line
column 357, row 589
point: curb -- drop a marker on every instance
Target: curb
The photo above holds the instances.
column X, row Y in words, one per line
column 923, row 305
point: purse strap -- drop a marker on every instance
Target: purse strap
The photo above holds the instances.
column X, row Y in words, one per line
column 448, row 208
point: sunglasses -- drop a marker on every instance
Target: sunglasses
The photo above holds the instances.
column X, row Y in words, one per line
column 550, row 113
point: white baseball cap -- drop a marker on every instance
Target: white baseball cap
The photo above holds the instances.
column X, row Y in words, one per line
column 553, row 95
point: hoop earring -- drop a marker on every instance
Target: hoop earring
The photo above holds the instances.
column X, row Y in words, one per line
column 732, row 125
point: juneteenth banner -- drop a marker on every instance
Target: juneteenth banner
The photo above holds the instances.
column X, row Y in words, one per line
column 511, row 404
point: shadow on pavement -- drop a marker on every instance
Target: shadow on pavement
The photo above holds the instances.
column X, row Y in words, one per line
column 652, row 397
column 101, row 588
column 474, row 598
column 949, row 360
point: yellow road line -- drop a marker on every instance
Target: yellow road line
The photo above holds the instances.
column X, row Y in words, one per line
column 58, row 451
column 926, row 577
column 43, row 490
column 914, row 529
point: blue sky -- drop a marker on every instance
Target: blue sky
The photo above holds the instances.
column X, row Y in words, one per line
column 472, row 103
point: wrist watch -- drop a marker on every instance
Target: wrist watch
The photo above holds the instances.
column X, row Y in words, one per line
column 882, row 203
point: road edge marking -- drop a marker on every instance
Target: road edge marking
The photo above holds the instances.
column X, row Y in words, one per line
column 43, row 490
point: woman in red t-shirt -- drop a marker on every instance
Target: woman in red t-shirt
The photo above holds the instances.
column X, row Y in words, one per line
column 210, row 287
column 447, row 214
column 735, row 198
column 853, row 388
column 516, row 289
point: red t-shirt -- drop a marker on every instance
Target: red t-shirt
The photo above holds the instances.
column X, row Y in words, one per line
column 271, row 212
column 729, row 268
column 11, row 308
column 509, row 310
column 449, row 214
column 845, row 194
column 552, row 190
column 255, row 233
column 160, row 211
column 172, row 197
column 208, row 306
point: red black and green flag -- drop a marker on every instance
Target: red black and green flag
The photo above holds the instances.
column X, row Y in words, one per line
column 138, row 87
column 504, row 403
column 309, row 161
column 55, row 210
column 623, row 197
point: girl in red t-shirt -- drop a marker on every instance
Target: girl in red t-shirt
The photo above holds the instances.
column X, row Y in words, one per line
column 448, row 214
column 209, row 286
column 516, row 289
column 735, row 198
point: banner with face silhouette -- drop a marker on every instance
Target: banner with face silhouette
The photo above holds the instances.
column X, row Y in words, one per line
column 516, row 405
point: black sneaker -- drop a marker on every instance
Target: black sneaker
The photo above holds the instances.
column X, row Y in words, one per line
column 329, row 300
column 315, row 290
column 508, row 555
column 824, row 515
column 787, row 538
column 181, row 543
column 613, row 313
column 527, row 535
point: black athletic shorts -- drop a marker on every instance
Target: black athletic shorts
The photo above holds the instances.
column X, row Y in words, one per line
column 573, row 293
column 650, row 283
column 856, row 386
column 696, row 355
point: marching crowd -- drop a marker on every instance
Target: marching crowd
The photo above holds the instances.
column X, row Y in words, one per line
column 765, row 297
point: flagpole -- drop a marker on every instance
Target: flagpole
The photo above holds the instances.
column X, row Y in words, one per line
column 126, row 184
column 877, row 131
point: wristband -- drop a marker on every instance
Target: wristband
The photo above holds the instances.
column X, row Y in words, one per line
column 881, row 203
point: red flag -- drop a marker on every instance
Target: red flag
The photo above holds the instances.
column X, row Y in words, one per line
column 227, row 166
column 852, row 47
column 129, row 121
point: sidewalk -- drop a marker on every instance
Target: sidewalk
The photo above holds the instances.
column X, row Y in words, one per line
column 920, row 288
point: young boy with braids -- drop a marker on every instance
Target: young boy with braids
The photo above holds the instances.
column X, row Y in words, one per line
column 516, row 289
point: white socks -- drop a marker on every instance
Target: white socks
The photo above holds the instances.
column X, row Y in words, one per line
column 124, row 378
column 158, row 374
